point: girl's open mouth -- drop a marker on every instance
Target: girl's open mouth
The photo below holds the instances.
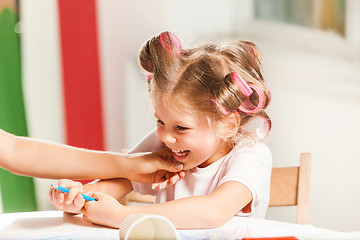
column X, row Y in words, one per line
column 180, row 154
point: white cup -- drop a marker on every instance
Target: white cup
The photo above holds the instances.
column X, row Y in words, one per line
column 147, row 226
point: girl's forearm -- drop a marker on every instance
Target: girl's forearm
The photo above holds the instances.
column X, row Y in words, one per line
column 208, row 211
column 117, row 188
column 192, row 212
column 31, row 157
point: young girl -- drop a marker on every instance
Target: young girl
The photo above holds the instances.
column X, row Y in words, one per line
column 207, row 101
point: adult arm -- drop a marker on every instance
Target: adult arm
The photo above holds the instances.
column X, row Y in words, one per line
column 37, row 158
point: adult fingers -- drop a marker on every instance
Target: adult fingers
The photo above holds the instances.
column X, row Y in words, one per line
column 166, row 161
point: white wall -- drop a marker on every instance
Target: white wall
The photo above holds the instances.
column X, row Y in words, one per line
column 315, row 108
column 188, row 19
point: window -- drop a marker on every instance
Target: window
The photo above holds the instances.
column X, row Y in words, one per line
column 327, row 15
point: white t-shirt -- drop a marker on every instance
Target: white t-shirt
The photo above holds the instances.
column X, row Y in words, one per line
column 249, row 165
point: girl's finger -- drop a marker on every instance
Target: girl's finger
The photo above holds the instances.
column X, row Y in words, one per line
column 164, row 184
column 73, row 192
column 54, row 199
column 174, row 179
column 51, row 193
column 155, row 186
column 86, row 218
column 182, row 174
column 79, row 201
column 60, row 197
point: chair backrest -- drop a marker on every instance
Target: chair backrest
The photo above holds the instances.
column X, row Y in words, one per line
column 290, row 186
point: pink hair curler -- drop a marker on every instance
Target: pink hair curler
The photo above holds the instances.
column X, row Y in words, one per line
column 242, row 85
column 248, row 107
column 246, row 90
column 170, row 42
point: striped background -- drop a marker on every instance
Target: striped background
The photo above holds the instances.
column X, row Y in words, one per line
column 79, row 70
column 18, row 191
column 72, row 76
column 62, row 53
column 65, row 90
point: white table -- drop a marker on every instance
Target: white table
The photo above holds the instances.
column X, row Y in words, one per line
column 55, row 225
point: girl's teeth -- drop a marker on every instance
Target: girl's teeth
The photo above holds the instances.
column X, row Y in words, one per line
column 181, row 152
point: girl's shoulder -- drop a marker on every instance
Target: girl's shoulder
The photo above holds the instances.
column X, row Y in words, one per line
column 252, row 147
column 252, row 152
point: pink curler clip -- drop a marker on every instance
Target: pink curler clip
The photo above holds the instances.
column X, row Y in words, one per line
column 242, row 85
column 149, row 77
column 246, row 90
column 222, row 109
column 170, row 42
column 248, row 107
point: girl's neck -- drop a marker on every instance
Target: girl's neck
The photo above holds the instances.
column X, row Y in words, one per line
column 224, row 149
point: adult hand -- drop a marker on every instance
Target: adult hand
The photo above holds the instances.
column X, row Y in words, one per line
column 156, row 167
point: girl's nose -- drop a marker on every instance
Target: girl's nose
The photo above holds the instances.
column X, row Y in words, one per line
column 167, row 137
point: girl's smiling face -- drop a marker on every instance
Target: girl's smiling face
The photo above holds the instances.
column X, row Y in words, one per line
column 189, row 136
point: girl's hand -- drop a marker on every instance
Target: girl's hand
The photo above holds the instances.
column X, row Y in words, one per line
column 106, row 211
column 164, row 179
column 71, row 202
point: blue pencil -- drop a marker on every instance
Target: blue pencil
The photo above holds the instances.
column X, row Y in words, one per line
column 66, row 190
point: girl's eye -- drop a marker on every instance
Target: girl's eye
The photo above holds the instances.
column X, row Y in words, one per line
column 181, row 128
column 159, row 122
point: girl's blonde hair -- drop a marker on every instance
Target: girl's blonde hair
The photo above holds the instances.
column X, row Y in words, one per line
column 200, row 78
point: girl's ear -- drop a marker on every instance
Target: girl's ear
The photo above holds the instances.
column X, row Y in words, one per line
column 230, row 125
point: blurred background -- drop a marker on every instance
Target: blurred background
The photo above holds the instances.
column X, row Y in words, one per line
column 69, row 73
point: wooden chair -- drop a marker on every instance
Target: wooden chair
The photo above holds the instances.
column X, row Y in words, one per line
column 290, row 186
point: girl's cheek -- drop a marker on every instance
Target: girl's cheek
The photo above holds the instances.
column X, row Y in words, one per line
column 159, row 132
